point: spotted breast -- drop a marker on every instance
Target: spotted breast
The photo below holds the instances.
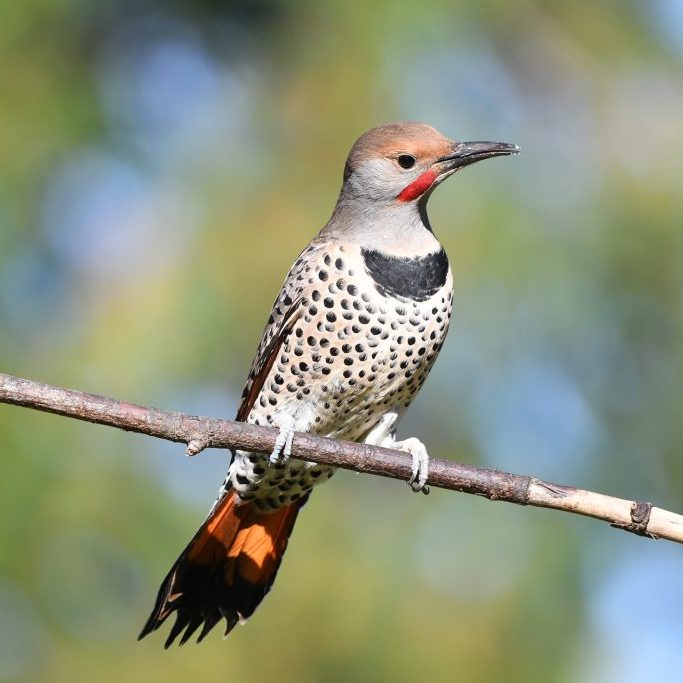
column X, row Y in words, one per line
column 358, row 333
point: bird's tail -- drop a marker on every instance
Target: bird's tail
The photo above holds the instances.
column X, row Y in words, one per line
column 226, row 570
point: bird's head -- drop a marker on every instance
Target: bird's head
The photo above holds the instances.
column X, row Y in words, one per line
column 404, row 161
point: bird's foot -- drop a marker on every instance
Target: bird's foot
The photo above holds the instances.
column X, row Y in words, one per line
column 420, row 469
column 283, row 443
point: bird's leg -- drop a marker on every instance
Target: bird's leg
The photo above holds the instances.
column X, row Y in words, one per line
column 418, row 481
column 283, row 443
column 384, row 434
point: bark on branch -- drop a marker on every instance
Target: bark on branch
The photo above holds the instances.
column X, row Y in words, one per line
column 198, row 433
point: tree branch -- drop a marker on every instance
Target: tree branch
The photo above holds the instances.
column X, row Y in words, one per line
column 198, row 433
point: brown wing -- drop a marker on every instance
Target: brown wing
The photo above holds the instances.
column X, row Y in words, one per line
column 273, row 338
column 288, row 306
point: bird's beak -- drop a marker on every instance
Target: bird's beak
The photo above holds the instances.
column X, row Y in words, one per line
column 466, row 153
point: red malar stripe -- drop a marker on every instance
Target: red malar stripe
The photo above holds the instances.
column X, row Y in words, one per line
column 418, row 187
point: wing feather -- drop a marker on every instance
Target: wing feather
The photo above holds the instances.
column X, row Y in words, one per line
column 265, row 359
column 288, row 306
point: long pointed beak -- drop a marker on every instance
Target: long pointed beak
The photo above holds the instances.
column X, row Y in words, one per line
column 466, row 153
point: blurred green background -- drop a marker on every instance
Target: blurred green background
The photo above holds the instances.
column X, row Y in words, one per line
column 161, row 166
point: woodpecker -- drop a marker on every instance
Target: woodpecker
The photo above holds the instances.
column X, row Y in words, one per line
column 351, row 338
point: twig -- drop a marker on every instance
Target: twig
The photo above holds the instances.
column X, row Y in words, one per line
column 203, row 432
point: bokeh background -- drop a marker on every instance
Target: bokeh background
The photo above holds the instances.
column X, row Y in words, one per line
column 162, row 164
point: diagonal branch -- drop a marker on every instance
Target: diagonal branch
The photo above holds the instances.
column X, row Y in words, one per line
column 638, row 517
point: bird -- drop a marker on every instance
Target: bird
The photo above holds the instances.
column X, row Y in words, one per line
column 350, row 339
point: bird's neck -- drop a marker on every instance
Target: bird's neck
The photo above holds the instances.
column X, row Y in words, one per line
column 396, row 228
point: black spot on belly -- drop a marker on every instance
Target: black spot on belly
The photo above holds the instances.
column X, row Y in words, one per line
column 407, row 278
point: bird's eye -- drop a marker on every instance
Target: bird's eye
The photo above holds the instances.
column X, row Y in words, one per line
column 406, row 160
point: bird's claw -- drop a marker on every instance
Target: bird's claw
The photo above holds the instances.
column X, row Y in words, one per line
column 420, row 467
column 283, row 445
column 418, row 480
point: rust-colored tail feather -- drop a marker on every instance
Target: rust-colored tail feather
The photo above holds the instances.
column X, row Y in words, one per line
column 225, row 571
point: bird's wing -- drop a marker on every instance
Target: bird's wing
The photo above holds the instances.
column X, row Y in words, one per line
column 286, row 311
column 273, row 337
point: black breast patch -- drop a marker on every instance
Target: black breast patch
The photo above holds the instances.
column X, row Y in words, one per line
column 407, row 278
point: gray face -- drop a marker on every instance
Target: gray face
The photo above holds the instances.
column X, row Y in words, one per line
column 388, row 159
column 382, row 179
column 390, row 173
column 404, row 162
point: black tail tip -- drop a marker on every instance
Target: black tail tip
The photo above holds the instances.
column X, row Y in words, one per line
column 187, row 623
column 150, row 626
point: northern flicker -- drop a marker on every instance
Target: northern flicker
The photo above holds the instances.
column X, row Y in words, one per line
column 352, row 335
